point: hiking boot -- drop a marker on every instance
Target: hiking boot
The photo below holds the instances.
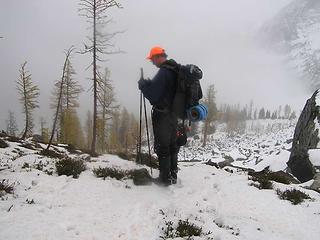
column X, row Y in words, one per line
column 174, row 176
column 164, row 178
column 162, row 182
column 174, row 180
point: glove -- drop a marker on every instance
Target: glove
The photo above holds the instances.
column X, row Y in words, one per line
column 143, row 82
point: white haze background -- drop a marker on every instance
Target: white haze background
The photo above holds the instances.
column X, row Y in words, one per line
column 219, row 36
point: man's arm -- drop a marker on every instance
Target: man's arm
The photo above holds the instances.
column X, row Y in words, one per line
column 154, row 89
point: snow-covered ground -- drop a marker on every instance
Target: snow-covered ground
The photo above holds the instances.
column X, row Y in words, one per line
column 88, row 208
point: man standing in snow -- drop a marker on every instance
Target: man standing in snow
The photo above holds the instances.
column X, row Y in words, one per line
column 160, row 91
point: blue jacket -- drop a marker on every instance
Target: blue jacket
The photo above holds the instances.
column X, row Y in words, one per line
column 160, row 91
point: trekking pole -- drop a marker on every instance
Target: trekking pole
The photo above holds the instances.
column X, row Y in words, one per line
column 147, row 127
column 140, row 131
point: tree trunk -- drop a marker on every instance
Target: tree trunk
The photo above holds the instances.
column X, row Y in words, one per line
column 25, row 107
column 94, row 130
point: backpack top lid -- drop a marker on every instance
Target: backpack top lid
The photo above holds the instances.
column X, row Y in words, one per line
column 191, row 72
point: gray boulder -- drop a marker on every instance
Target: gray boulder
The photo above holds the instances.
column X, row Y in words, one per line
column 316, row 184
column 306, row 136
column 85, row 157
column 37, row 138
column 3, row 144
column 141, row 177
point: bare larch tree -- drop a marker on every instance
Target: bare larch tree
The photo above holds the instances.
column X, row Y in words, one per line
column 71, row 90
column 60, row 94
column 29, row 94
column 99, row 44
column 106, row 107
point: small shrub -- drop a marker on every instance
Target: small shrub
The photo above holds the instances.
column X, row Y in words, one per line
column 262, row 182
column 95, row 154
column 184, row 229
column 19, row 153
column 14, row 139
column 25, row 165
column 145, row 160
column 39, row 166
column 265, row 184
column 70, row 167
column 110, row 172
column 72, row 149
column 51, row 154
column 228, row 158
column 124, row 155
column 294, row 196
column 187, row 229
column 282, row 177
column 3, row 134
column 5, row 187
column 265, row 177
column 30, row 201
column 49, row 172
column 3, row 144
column 168, row 230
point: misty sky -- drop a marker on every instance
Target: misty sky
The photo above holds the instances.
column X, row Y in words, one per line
column 217, row 35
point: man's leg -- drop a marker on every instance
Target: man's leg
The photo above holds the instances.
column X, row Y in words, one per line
column 174, row 166
column 161, row 127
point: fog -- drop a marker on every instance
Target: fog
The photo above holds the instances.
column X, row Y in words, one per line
column 219, row 36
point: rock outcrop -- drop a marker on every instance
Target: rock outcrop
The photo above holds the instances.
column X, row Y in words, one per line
column 306, row 136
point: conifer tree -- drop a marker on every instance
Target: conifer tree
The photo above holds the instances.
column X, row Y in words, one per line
column 70, row 95
column 268, row 114
column 12, row 126
column 287, row 111
column 44, row 130
column 293, row 116
column 71, row 89
column 71, row 129
column 29, row 94
column 209, row 101
column 88, row 130
column 95, row 12
column 255, row 114
column 106, row 107
column 114, row 132
column 124, row 129
column 262, row 114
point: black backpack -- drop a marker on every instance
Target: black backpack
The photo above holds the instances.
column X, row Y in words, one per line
column 188, row 92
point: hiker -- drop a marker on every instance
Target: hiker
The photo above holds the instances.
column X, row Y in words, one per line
column 160, row 91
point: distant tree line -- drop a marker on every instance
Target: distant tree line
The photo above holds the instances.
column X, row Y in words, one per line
column 247, row 112
column 235, row 116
